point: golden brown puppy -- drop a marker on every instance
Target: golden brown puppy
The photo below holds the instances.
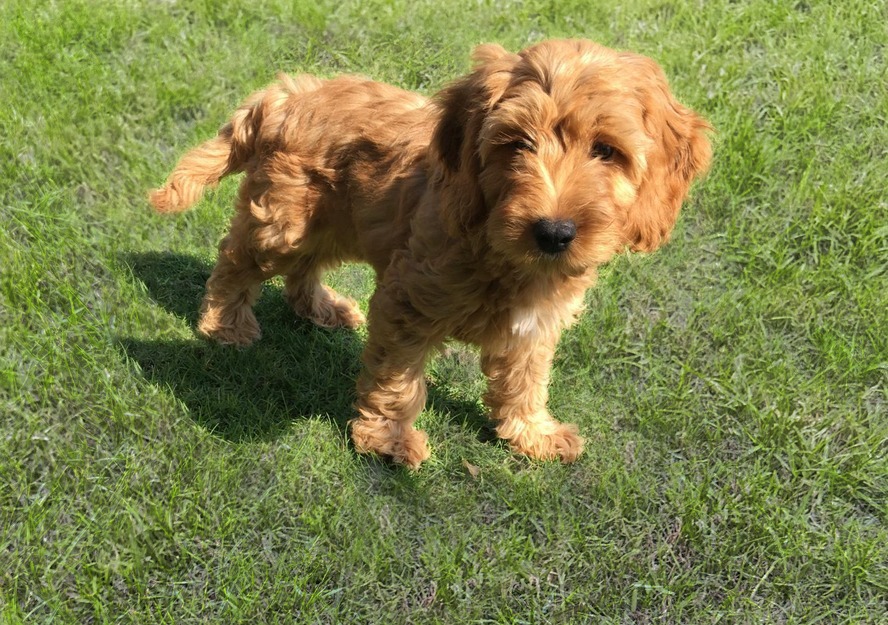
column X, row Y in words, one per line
column 484, row 211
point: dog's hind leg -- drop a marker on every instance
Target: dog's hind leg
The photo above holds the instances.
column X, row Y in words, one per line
column 232, row 289
column 315, row 301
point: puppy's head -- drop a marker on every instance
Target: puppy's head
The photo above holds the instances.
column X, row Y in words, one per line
column 566, row 153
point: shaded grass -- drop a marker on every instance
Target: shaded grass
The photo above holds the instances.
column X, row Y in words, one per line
column 731, row 387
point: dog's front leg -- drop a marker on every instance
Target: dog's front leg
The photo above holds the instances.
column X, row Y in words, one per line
column 518, row 379
column 391, row 388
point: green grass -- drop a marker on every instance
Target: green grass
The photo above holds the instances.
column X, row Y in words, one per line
column 732, row 388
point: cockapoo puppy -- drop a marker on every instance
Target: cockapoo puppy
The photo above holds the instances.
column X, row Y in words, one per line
column 484, row 211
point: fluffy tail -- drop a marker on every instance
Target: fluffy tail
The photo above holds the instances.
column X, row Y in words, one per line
column 206, row 165
column 230, row 150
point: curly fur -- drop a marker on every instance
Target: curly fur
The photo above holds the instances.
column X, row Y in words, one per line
column 484, row 212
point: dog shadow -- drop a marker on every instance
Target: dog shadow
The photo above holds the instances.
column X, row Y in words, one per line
column 295, row 371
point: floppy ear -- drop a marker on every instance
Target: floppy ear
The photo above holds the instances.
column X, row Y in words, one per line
column 464, row 104
column 681, row 152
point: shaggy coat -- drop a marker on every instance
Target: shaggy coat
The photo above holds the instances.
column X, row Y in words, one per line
column 484, row 211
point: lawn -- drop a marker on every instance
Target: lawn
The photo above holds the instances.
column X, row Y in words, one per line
column 731, row 387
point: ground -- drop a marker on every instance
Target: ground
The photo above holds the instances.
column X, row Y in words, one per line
column 732, row 387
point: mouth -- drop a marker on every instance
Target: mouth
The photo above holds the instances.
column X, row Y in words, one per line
column 561, row 263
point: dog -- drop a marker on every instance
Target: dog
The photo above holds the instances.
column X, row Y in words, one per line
column 485, row 212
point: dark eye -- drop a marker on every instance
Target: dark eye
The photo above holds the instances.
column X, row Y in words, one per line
column 603, row 151
column 521, row 145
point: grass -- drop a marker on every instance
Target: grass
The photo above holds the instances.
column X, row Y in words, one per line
column 732, row 388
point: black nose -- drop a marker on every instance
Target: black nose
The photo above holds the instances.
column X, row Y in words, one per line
column 554, row 236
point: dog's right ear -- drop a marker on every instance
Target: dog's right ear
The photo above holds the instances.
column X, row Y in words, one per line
column 465, row 102
column 463, row 106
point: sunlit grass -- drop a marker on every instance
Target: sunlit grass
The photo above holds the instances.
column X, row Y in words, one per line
column 731, row 387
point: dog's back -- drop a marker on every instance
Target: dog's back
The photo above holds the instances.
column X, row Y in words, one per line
column 364, row 144
column 331, row 155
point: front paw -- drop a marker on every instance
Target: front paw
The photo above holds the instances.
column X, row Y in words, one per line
column 229, row 326
column 548, row 441
column 402, row 444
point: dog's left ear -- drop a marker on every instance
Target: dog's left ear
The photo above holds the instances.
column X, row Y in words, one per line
column 455, row 146
column 681, row 152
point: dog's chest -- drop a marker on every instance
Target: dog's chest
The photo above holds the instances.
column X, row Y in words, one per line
column 532, row 323
column 535, row 314
column 543, row 319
